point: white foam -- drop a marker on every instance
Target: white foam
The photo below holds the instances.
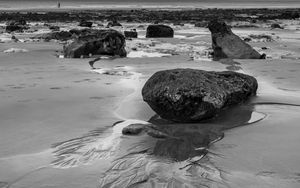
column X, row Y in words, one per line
column 15, row 50
column 140, row 54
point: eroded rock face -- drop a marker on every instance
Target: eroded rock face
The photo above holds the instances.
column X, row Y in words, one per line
column 228, row 45
column 189, row 95
column 104, row 42
column 159, row 31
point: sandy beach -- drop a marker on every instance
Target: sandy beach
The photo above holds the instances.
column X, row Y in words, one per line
column 61, row 121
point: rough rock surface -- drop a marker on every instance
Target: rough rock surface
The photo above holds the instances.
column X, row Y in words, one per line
column 228, row 45
column 159, row 31
column 104, row 42
column 189, row 95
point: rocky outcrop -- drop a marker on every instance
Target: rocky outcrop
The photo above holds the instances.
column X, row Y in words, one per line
column 102, row 42
column 131, row 34
column 228, row 45
column 189, row 95
column 62, row 35
column 159, row 31
column 18, row 25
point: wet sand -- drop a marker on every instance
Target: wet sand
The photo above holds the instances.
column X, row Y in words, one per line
column 57, row 118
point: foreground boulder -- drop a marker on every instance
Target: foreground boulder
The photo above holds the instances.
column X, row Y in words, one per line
column 159, row 31
column 228, row 45
column 189, row 95
column 104, row 42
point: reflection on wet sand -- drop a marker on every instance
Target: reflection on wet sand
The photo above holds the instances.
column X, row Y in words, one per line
column 179, row 159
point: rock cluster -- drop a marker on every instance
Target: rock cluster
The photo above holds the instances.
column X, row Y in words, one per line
column 18, row 25
column 189, row 95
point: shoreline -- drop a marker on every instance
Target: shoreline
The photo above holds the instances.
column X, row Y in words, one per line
column 152, row 8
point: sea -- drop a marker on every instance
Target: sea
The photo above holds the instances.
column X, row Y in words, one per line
column 123, row 4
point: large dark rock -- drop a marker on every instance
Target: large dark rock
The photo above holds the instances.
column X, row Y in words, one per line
column 159, row 31
column 228, row 45
column 189, row 95
column 103, row 42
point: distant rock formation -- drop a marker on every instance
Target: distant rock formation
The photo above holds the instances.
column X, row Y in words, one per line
column 62, row 35
column 131, row 34
column 189, row 95
column 276, row 26
column 159, row 31
column 113, row 24
column 84, row 23
column 16, row 25
column 54, row 28
column 102, row 42
column 228, row 45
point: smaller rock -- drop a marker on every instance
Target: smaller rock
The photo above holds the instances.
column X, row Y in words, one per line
column 276, row 26
column 131, row 34
column 14, row 38
column 156, row 133
column 113, row 24
column 133, row 129
column 54, row 28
